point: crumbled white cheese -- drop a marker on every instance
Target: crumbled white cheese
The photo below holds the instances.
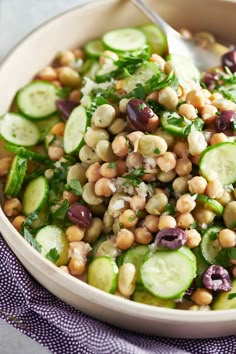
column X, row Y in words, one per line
column 142, row 189
column 119, row 204
column 112, row 187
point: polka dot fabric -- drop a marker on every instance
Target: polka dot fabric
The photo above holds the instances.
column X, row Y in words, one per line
column 51, row 322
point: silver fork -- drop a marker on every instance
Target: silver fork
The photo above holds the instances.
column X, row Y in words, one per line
column 177, row 44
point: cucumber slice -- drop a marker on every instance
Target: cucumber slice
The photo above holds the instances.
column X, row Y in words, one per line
column 15, row 176
column 37, row 100
column 124, row 40
column 143, row 74
column 94, row 48
column 223, row 300
column 90, row 69
column 202, row 266
column 174, row 124
column 76, row 127
column 184, row 69
column 23, row 152
column 35, row 195
column 210, row 246
column 156, row 38
column 209, row 203
column 52, row 237
column 46, row 125
column 103, row 274
column 167, row 274
column 18, row 130
column 135, row 256
column 146, row 298
column 188, row 253
column 218, row 161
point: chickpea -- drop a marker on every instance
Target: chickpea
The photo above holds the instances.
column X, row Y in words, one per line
column 208, row 113
column 93, row 231
column 149, row 144
column 79, row 250
column 226, row 198
column 203, row 216
column 134, row 160
column 166, row 221
column 79, row 53
column 77, row 266
column 126, row 279
column 75, row 96
column 123, row 104
column 120, row 146
column 116, row 226
column 166, row 162
column 117, row 126
column 199, row 308
column 227, row 238
column 103, row 187
column 137, row 202
column 229, row 215
column 195, row 159
column 94, row 135
column 197, row 142
column 75, row 233
column 156, row 204
column 76, row 171
column 124, row 239
column 155, row 58
column 108, row 221
column 183, row 167
column 58, row 129
column 121, row 167
column 55, row 153
column 184, row 221
column 69, row 77
column 109, row 170
column 48, row 74
column 151, row 223
column 169, row 139
column 196, row 98
column 12, row 207
column 180, row 184
column 188, row 111
column 181, row 149
column 103, row 116
column 168, row 98
column 218, row 138
column 224, row 104
column 214, row 189
column 66, row 58
column 128, row 218
column 142, row 235
column 72, row 198
column 5, row 163
column 197, row 185
column 149, row 177
column 166, row 177
column 134, row 137
column 202, row 296
column 88, row 155
column 93, row 173
column 185, row 204
column 193, row 238
column 89, row 195
column 18, row 221
column 105, row 152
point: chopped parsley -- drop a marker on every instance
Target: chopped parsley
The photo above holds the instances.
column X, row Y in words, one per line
column 134, row 178
column 157, row 151
column 53, row 255
column 213, row 235
column 142, row 106
column 112, row 165
column 169, row 209
column 61, row 212
column 131, row 218
column 75, row 187
column 231, row 296
column 31, row 240
column 224, row 256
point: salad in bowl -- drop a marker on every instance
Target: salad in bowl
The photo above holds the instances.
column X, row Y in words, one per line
column 123, row 169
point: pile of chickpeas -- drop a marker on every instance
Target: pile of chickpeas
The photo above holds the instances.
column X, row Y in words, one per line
column 112, row 149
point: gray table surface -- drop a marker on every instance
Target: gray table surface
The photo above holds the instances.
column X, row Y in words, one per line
column 18, row 18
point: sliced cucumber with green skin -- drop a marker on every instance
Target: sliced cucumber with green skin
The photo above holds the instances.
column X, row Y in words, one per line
column 124, row 40
column 28, row 154
column 105, row 72
column 183, row 68
column 188, row 253
column 103, row 274
column 35, row 195
column 223, row 301
column 167, row 274
column 37, row 100
column 94, row 48
column 18, row 130
column 141, row 75
column 52, row 237
column 218, row 162
column 209, row 203
column 146, row 298
column 156, row 38
column 75, row 129
column 15, row 176
column 176, row 125
column 135, row 256
column 210, row 246
column 46, row 125
column 202, row 266
column 90, row 68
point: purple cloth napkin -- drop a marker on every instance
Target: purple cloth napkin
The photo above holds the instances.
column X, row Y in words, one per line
column 51, row 322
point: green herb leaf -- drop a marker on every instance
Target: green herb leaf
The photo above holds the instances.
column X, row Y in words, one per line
column 194, row 225
column 231, row 296
column 53, row 255
column 75, row 187
column 31, row 240
column 61, row 212
column 112, row 165
column 224, row 256
column 30, row 218
column 213, row 236
column 142, row 106
column 157, row 151
column 133, row 178
column 169, row 209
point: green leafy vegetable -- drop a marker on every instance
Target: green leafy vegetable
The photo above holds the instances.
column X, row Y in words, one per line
column 142, row 106
column 31, row 240
column 61, row 212
column 53, row 255
column 75, row 187
column 231, row 296
column 112, row 165
column 157, row 151
column 224, row 256
column 169, row 209
column 133, row 178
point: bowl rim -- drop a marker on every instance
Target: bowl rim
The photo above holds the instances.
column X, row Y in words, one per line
column 93, row 294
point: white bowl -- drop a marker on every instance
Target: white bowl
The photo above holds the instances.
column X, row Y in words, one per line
column 73, row 28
